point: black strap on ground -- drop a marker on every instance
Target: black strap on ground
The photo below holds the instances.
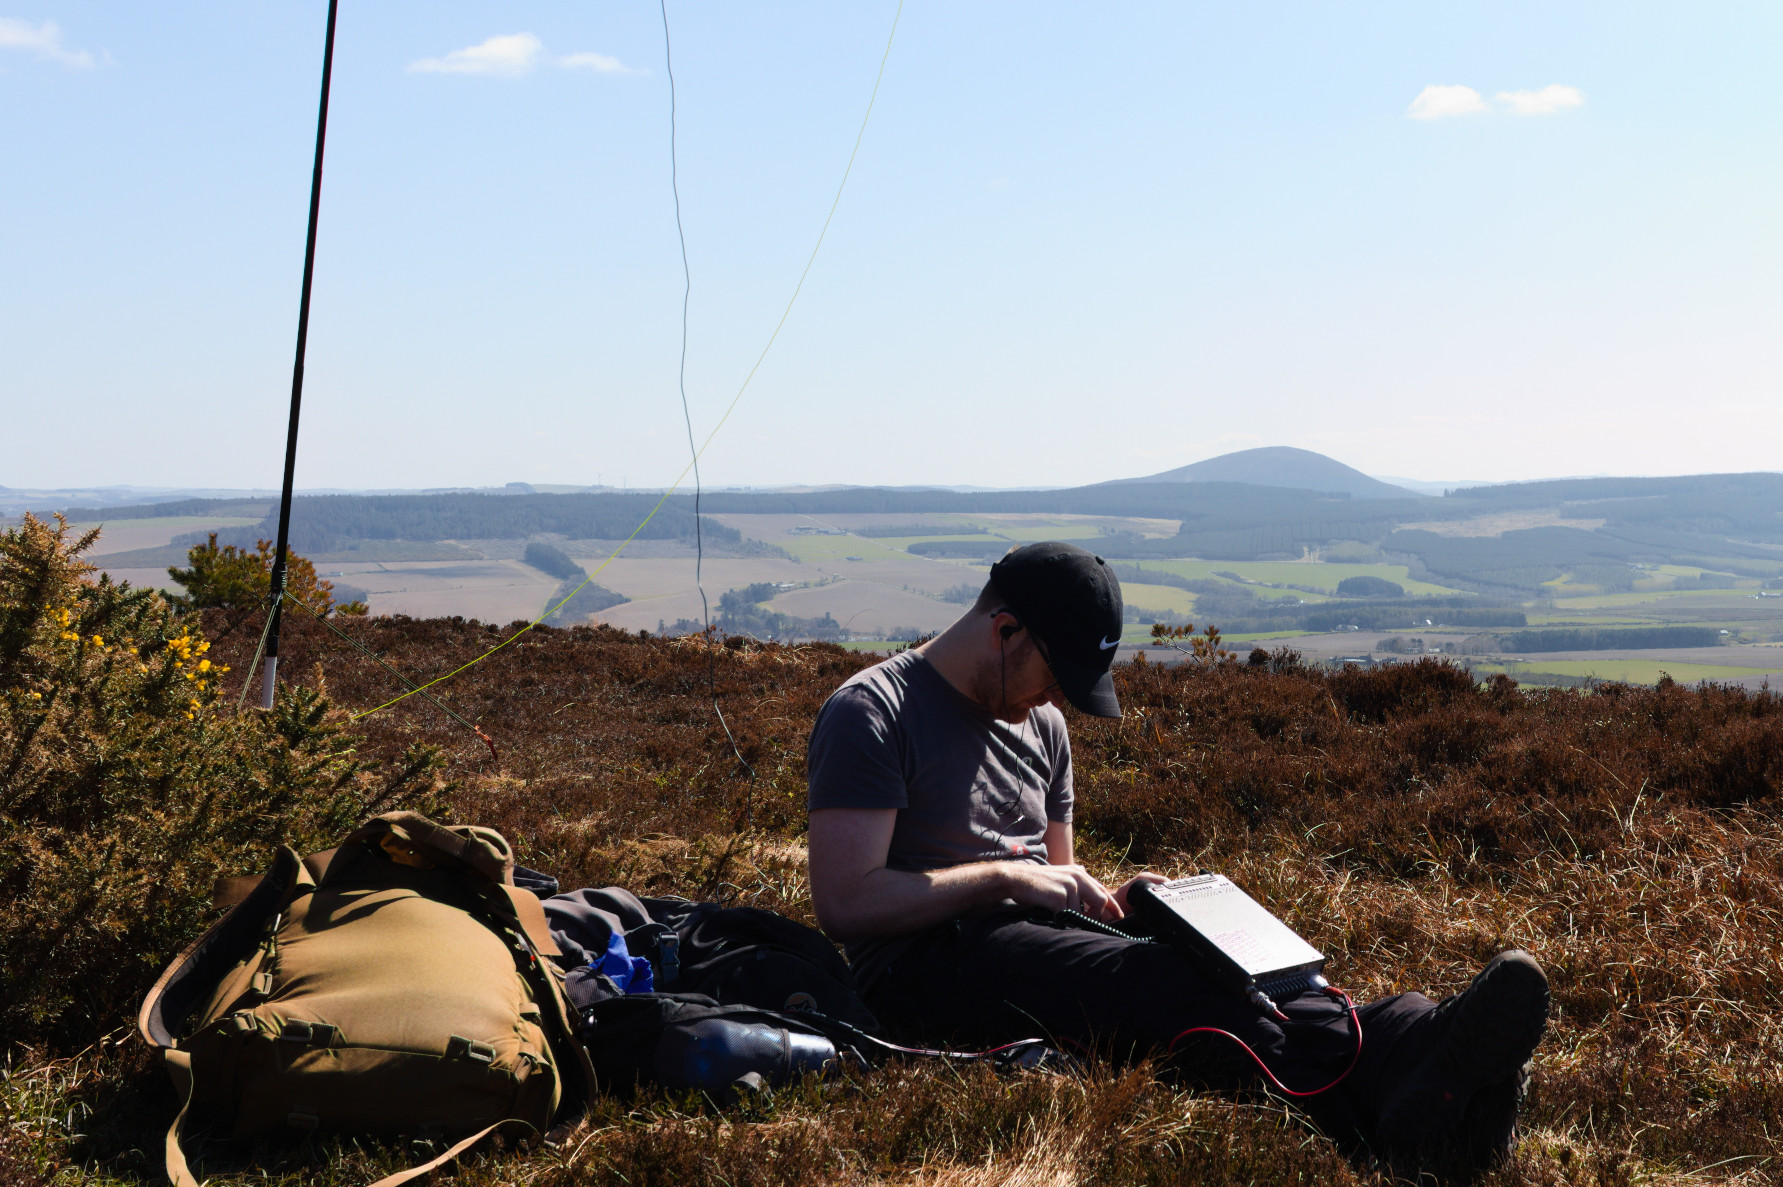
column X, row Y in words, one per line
column 303, row 333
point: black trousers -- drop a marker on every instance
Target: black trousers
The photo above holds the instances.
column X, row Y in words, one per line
column 1010, row 973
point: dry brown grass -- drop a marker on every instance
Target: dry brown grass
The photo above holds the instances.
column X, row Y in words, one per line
column 1406, row 820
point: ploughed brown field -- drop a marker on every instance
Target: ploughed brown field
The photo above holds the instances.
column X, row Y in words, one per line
column 1407, row 821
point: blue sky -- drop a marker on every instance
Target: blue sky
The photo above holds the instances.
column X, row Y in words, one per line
column 1080, row 241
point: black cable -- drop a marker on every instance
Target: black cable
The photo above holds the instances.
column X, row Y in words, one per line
column 699, row 544
column 1079, row 920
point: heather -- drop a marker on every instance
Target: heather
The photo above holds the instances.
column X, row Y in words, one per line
column 1407, row 820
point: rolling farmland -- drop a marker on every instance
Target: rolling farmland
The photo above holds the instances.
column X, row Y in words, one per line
column 866, row 565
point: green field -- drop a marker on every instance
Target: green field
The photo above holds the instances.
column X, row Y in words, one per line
column 1029, row 532
column 1627, row 671
column 822, row 549
column 1654, row 579
column 1696, row 571
column 1157, row 597
column 1651, row 597
column 127, row 535
column 1317, row 576
column 170, row 525
column 1540, row 619
column 830, row 549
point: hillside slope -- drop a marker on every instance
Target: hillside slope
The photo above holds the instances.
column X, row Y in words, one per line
column 1407, row 820
column 1282, row 465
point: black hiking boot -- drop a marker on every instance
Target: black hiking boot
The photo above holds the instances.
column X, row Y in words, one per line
column 1454, row 1113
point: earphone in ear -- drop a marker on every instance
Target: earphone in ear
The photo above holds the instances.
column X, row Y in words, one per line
column 1008, row 631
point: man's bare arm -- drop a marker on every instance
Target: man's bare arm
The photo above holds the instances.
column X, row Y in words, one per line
column 856, row 897
column 1059, row 848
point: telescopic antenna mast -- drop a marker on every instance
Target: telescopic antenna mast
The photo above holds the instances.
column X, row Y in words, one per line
column 270, row 679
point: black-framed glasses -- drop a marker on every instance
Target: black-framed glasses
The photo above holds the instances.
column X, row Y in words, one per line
column 1046, row 659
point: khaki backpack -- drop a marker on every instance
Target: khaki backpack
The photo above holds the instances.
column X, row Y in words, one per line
column 396, row 985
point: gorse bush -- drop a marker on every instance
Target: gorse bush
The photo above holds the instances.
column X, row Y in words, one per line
column 127, row 785
column 236, row 579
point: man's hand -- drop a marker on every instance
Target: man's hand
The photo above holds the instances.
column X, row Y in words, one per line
column 1070, row 887
column 1060, row 888
column 1060, row 851
column 1120, row 896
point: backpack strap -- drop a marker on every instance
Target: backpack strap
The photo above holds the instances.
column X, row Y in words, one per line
column 531, row 914
column 183, row 984
column 432, row 1164
column 179, row 1066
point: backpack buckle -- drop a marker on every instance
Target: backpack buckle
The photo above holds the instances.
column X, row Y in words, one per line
column 460, row 1047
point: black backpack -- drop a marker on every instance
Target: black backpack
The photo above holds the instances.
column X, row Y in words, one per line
column 735, row 956
column 745, row 999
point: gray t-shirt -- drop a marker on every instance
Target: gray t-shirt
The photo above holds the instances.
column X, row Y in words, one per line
column 967, row 787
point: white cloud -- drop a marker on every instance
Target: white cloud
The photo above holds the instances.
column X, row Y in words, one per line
column 1436, row 102
column 44, row 39
column 599, row 63
column 506, row 55
column 510, row 55
column 1546, row 101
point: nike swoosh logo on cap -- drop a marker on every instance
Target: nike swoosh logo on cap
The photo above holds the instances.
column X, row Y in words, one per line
column 1105, row 645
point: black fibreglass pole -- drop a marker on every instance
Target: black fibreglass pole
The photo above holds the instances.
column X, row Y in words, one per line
column 303, row 332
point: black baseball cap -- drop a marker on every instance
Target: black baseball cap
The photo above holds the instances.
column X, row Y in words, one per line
column 1069, row 599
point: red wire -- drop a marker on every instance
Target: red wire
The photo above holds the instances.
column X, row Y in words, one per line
column 1333, row 992
column 1280, row 1087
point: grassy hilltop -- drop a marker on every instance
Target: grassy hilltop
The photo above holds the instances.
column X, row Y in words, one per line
column 1407, row 820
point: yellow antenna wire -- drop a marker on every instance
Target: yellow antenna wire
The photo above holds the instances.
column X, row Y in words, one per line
column 730, row 408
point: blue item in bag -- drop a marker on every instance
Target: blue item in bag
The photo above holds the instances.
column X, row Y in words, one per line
column 632, row 974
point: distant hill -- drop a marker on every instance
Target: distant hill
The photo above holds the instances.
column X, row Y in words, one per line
column 1284, row 466
column 1516, row 538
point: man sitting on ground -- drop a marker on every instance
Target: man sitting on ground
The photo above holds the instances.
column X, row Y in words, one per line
column 940, row 843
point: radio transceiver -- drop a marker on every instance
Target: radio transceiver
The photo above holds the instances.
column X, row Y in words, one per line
column 1234, row 940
